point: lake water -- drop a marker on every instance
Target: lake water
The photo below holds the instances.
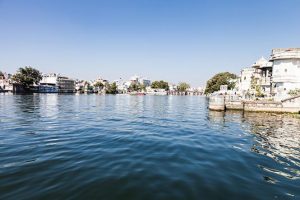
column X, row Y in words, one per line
column 143, row 147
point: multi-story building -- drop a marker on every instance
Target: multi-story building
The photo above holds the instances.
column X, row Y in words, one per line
column 258, row 75
column 61, row 83
column 244, row 83
column 172, row 87
column 274, row 78
column 141, row 80
column 122, row 86
column 144, row 81
column 6, row 83
column 286, row 71
column 262, row 76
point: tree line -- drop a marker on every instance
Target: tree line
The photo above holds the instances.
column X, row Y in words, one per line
column 28, row 76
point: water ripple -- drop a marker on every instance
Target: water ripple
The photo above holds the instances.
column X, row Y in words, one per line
column 143, row 147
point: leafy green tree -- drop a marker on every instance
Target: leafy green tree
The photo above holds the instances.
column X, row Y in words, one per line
column 160, row 85
column 219, row 79
column 182, row 87
column 135, row 87
column 27, row 76
column 111, row 88
column 90, row 87
column 99, row 84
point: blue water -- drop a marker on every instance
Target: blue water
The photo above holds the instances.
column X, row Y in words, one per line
column 143, row 147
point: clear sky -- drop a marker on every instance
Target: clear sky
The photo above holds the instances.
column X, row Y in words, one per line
column 173, row 40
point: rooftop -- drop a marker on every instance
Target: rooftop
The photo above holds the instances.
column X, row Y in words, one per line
column 285, row 53
column 260, row 62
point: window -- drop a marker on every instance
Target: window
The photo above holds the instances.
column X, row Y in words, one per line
column 245, row 78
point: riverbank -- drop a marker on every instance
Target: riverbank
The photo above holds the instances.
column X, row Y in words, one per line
column 222, row 103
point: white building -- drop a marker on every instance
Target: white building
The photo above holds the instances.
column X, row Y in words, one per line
column 64, row 84
column 274, row 78
column 259, row 74
column 141, row 80
column 263, row 75
column 101, row 80
column 244, row 84
column 172, row 87
column 6, row 83
column 122, row 87
column 286, row 71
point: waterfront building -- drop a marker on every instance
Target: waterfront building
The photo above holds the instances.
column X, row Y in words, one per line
column 144, row 81
column 101, row 80
column 276, row 77
column 79, row 86
column 141, row 80
column 122, row 86
column 261, row 78
column 277, row 80
column 6, row 84
column 256, row 78
column 97, row 88
column 172, row 87
column 244, row 83
column 63, row 84
column 286, row 71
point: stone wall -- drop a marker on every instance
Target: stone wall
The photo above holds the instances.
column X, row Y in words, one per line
column 290, row 105
column 217, row 103
column 234, row 105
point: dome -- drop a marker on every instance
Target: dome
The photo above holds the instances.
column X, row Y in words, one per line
column 260, row 62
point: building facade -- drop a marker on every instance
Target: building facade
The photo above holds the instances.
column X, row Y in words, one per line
column 141, row 80
column 286, row 71
column 6, row 84
column 55, row 82
column 244, row 83
column 275, row 78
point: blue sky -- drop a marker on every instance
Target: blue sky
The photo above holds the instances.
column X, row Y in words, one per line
column 173, row 40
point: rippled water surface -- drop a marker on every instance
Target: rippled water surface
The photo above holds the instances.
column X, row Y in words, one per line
column 143, row 147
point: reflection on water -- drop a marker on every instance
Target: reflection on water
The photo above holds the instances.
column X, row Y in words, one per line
column 143, row 147
column 277, row 136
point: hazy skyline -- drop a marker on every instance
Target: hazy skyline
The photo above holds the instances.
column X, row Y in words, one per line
column 161, row 39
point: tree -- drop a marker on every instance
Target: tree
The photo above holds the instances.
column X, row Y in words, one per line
column 111, row 88
column 219, row 79
column 1, row 74
column 90, row 87
column 27, row 76
column 256, row 87
column 182, row 87
column 160, row 85
column 98, row 84
column 136, row 87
